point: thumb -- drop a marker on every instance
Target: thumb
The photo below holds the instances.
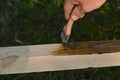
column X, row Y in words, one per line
column 68, row 6
column 77, row 13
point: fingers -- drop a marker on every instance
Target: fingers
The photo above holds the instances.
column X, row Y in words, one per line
column 82, row 7
column 77, row 13
column 68, row 6
column 89, row 5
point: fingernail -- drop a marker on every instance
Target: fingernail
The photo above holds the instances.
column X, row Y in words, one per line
column 74, row 17
column 82, row 15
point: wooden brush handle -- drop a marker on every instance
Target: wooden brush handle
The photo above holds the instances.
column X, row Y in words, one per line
column 68, row 27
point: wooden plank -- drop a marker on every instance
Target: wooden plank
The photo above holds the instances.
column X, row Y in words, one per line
column 52, row 57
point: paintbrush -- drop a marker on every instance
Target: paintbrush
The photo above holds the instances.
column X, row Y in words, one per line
column 66, row 31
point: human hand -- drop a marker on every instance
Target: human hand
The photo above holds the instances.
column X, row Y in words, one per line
column 76, row 9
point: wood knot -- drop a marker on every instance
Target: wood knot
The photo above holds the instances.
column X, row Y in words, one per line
column 7, row 61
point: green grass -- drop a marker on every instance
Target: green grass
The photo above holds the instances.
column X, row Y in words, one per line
column 40, row 21
column 85, row 74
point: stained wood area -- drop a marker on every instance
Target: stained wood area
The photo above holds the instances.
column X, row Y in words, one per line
column 52, row 57
column 91, row 47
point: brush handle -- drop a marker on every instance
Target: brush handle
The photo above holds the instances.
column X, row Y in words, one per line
column 68, row 27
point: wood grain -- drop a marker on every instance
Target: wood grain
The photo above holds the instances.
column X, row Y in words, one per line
column 52, row 57
column 91, row 47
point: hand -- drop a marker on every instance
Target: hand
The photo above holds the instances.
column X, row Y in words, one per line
column 76, row 9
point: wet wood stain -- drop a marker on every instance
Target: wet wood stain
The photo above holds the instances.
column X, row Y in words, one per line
column 91, row 47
